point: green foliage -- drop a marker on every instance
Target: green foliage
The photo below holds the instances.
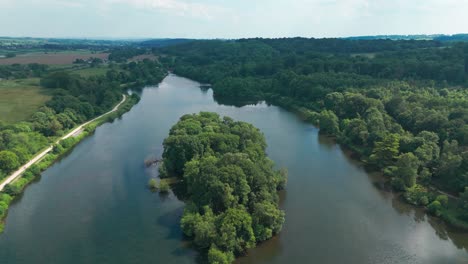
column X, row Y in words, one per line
column 464, row 203
column 8, row 161
column 406, row 97
column 328, row 122
column 435, row 208
column 417, row 195
column 407, row 168
column 216, row 256
column 231, row 184
column 443, row 200
column 385, row 151
column 153, row 184
column 164, row 186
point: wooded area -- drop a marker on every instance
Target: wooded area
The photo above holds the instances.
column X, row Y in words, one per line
column 402, row 106
column 231, row 186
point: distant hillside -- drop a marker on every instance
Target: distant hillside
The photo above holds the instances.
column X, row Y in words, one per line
column 436, row 37
column 156, row 43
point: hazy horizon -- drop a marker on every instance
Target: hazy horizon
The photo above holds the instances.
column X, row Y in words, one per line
column 210, row 19
column 162, row 37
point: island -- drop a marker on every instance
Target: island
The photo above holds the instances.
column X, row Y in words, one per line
column 230, row 185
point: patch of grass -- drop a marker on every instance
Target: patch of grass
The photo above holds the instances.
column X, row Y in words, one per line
column 88, row 72
column 19, row 99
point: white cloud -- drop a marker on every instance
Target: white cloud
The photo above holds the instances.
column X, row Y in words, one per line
column 178, row 7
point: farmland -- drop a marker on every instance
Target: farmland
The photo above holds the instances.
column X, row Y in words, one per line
column 59, row 58
column 19, row 99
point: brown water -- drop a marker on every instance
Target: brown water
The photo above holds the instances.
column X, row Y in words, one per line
column 94, row 207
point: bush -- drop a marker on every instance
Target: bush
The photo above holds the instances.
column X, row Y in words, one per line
column 162, row 170
column 423, row 200
column 58, row 149
column 417, row 195
column 153, row 184
column 12, row 189
column 164, row 186
column 443, row 200
column 435, row 208
column 3, row 209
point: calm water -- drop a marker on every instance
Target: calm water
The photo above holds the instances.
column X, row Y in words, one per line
column 94, row 207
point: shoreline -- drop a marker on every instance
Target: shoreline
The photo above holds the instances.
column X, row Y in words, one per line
column 446, row 218
column 307, row 115
column 17, row 182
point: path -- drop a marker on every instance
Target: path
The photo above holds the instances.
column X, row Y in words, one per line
column 39, row 156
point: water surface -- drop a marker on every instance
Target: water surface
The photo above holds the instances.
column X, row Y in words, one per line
column 94, row 207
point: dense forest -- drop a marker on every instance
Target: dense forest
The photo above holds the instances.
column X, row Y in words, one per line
column 400, row 105
column 231, row 186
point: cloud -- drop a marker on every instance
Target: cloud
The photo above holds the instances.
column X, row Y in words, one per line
column 177, row 7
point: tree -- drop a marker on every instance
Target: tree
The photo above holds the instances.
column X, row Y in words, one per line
column 385, row 151
column 435, row 208
column 216, row 256
column 355, row 132
column 450, row 160
column 8, row 161
column 407, row 168
column 464, row 203
column 329, row 123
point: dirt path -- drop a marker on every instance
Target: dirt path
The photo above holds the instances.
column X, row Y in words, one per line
column 15, row 175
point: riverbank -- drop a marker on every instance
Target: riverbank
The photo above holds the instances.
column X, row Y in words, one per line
column 15, row 184
column 418, row 195
column 95, row 200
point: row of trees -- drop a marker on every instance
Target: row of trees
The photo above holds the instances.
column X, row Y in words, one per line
column 401, row 106
column 230, row 184
column 19, row 71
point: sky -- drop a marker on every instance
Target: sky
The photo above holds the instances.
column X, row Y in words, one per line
column 230, row 19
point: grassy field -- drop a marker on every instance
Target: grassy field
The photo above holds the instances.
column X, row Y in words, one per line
column 58, row 58
column 19, row 99
column 88, row 72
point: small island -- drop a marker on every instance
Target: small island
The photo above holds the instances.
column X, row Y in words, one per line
column 231, row 186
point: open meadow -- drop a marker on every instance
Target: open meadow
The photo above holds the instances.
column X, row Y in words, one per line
column 19, row 99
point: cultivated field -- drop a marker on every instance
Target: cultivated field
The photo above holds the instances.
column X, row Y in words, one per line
column 52, row 58
column 19, row 99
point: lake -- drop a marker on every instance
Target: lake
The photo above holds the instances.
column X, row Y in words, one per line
column 94, row 205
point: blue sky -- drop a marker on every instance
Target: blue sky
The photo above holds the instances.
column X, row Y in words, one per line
column 230, row 19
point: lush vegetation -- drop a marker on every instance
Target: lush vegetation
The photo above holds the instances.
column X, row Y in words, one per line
column 402, row 106
column 74, row 100
column 68, row 99
column 63, row 147
column 231, row 186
